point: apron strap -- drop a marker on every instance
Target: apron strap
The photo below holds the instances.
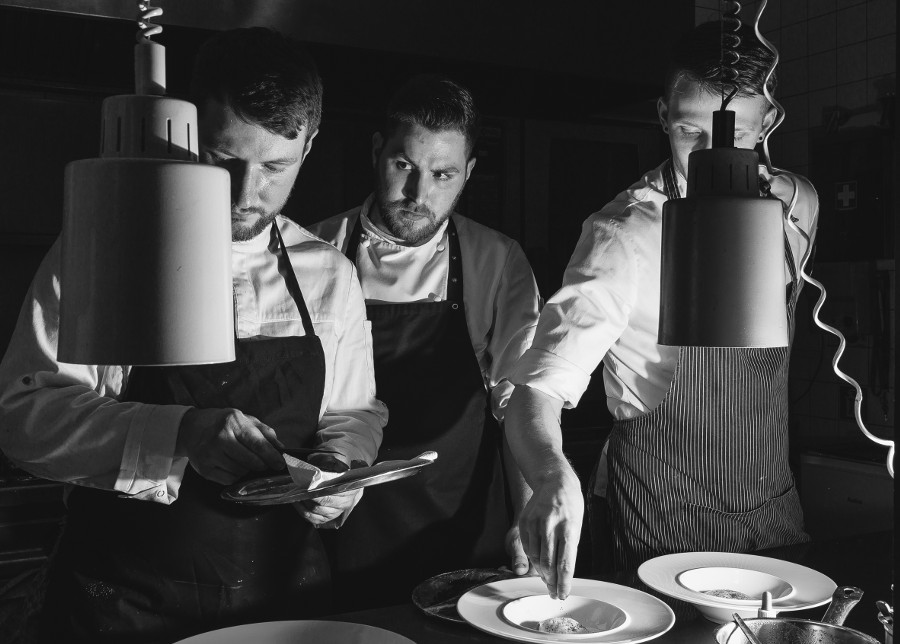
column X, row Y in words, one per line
column 454, row 271
column 293, row 286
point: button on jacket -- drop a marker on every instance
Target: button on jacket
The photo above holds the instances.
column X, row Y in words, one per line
column 64, row 421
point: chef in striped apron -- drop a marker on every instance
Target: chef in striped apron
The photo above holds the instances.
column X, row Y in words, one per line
column 698, row 455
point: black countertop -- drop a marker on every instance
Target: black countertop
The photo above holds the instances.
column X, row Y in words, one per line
column 863, row 561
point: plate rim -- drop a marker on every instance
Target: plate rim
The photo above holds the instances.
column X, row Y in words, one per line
column 682, row 594
column 284, row 623
column 534, row 585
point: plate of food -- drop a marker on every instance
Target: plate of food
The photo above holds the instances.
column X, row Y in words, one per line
column 719, row 584
column 596, row 612
column 282, row 488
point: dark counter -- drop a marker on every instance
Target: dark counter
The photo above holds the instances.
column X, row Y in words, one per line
column 864, row 561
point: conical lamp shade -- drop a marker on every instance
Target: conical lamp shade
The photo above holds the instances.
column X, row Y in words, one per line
column 146, row 243
column 722, row 269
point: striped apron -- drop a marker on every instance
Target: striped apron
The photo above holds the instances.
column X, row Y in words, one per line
column 707, row 470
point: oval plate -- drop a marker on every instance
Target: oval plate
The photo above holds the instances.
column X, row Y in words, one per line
column 280, row 488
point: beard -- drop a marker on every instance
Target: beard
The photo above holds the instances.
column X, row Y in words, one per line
column 241, row 231
column 413, row 224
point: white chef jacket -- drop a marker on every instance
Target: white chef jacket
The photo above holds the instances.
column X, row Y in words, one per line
column 64, row 422
column 608, row 306
column 499, row 290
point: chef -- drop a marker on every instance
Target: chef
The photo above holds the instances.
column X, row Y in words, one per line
column 698, row 455
column 149, row 551
column 453, row 305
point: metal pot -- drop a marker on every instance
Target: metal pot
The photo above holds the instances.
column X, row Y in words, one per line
column 788, row 630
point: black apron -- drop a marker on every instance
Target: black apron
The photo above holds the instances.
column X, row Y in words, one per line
column 136, row 571
column 707, row 470
column 454, row 514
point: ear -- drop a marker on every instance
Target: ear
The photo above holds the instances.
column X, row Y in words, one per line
column 769, row 119
column 469, row 165
column 662, row 110
column 377, row 145
column 308, row 145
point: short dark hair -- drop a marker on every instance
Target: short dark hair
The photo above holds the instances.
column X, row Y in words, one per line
column 265, row 77
column 436, row 103
column 698, row 57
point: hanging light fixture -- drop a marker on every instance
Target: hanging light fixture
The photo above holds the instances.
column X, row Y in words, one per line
column 722, row 275
column 722, row 282
column 146, row 241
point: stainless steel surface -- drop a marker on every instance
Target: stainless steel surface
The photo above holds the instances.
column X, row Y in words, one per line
column 750, row 635
column 842, row 602
column 280, row 489
column 801, row 631
column 438, row 595
column 792, row 631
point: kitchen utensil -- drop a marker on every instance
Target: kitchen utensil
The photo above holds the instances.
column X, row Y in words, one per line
column 803, row 631
column 795, row 587
column 437, row 596
column 753, row 639
column 765, row 606
column 280, row 488
column 886, row 617
column 648, row 617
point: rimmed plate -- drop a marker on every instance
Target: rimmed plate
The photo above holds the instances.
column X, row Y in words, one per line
column 280, row 488
column 810, row 587
column 292, row 632
column 648, row 617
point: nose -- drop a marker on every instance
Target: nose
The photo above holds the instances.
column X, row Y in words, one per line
column 244, row 185
column 416, row 187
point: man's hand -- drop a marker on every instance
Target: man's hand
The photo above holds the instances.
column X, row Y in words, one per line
column 225, row 444
column 550, row 527
column 519, row 563
column 327, row 508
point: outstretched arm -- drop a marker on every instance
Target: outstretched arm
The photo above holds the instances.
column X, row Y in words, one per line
column 550, row 520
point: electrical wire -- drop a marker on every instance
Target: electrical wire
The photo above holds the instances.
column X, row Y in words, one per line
column 147, row 27
column 731, row 22
column 791, row 221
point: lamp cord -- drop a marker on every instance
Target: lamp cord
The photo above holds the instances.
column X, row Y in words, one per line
column 146, row 13
column 791, row 222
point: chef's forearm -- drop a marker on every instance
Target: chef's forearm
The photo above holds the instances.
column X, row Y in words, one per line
column 535, row 438
column 519, row 491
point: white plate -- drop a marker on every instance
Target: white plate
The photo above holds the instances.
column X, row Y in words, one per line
column 810, row 587
column 647, row 616
column 299, row 632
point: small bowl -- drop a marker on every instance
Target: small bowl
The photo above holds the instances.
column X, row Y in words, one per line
column 750, row 583
column 594, row 615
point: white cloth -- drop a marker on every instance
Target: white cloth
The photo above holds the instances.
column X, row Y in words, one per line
column 499, row 290
column 64, row 421
column 608, row 306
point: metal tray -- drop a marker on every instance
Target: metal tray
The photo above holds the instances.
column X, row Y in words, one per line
column 280, row 488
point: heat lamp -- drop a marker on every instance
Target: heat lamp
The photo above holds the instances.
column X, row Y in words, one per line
column 145, row 274
column 722, row 276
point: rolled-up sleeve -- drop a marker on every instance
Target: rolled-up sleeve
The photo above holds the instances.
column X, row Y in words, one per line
column 582, row 320
column 353, row 419
column 64, row 422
